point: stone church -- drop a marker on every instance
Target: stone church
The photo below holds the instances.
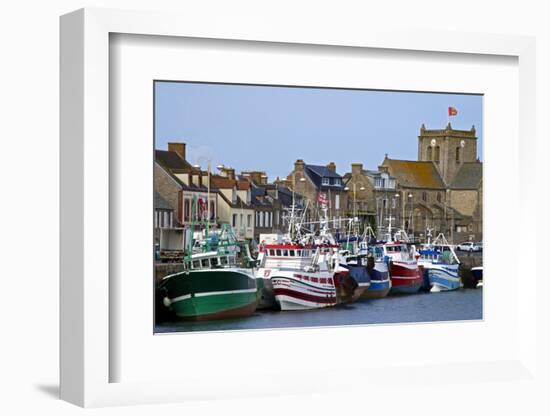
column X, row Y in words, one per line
column 443, row 189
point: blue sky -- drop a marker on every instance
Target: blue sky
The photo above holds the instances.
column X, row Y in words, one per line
column 268, row 128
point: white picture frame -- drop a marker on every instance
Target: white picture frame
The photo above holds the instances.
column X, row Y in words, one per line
column 86, row 332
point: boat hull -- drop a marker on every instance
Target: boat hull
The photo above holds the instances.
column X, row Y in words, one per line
column 354, row 284
column 380, row 283
column 266, row 298
column 442, row 277
column 211, row 294
column 299, row 291
column 405, row 278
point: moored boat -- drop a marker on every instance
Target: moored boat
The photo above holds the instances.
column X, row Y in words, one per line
column 377, row 267
column 216, row 284
column 477, row 274
column 406, row 276
column 440, row 264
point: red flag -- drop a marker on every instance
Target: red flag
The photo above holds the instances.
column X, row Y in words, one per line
column 452, row 111
column 322, row 198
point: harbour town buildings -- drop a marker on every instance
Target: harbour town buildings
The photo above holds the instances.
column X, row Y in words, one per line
column 442, row 191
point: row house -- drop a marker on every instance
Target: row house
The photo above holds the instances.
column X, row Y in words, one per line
column 270, row 203
column 234, row 204
column 320, row 185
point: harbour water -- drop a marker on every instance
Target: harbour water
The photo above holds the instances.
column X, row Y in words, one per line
column 463, row 304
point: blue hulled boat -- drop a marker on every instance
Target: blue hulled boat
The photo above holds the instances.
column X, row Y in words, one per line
column 440, row 264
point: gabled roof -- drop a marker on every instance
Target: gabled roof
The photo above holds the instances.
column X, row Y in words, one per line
column 414, row 174
column 239, row 204
column 469, row 176
column 222, row 182
column 317, row 173
column 322, row 171
column 171, row 160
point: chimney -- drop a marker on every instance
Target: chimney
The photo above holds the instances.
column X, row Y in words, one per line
column 356, row 169
column 299, row 165
column 230, row 173
column 179, row 148
column 332, row 167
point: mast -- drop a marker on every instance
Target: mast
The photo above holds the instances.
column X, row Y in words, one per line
column 208, row 210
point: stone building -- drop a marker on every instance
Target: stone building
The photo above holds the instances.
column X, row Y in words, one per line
column 270, row 202
column 315, row 182
column 361, row 201
column 234, row 203
column 442, row 190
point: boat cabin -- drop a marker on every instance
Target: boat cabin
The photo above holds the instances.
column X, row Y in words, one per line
column 212, row 261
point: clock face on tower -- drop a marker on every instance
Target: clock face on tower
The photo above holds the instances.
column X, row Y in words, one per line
column 433, row 142
column 462, row 143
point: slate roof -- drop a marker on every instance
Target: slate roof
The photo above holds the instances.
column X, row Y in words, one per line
column 192, row 187
column 469, row 176
column 317, row 173
column 414, row 174
column 171, row 160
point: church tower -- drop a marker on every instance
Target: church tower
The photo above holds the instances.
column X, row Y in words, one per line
column 448, row 149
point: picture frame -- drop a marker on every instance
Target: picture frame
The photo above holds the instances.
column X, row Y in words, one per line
column 87, row 305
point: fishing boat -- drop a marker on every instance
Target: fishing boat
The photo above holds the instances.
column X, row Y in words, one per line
column 218, row 282
column 477, row 274
column 405, row 273
column 440, row 264
column 377, row 267
column 302, row 270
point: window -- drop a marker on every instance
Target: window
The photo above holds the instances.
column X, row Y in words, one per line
column 266, row 220
column 458, row 155
column 271, row 219
column 214, row 261
column 196, row 264
column 424, row 196
column 285, row 253
column 276, row 218
column 430, row 153
column 212, row 210
column 186, row 210
column 234, row 222
column 205, row 263
column 223, row 260
column 291, row 252
column 315, row 280
column 438, row 197
column 437, row 153
column 337, row 201
column 257, row 223
column 249, row 220
column 241, row 223
column 325, row 181
column 261, row 215
column 278, row 253
column 323, row 280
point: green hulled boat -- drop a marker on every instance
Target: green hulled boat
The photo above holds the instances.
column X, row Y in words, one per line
column 218, row 283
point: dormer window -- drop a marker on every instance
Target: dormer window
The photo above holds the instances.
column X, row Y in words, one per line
column 325, row 181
